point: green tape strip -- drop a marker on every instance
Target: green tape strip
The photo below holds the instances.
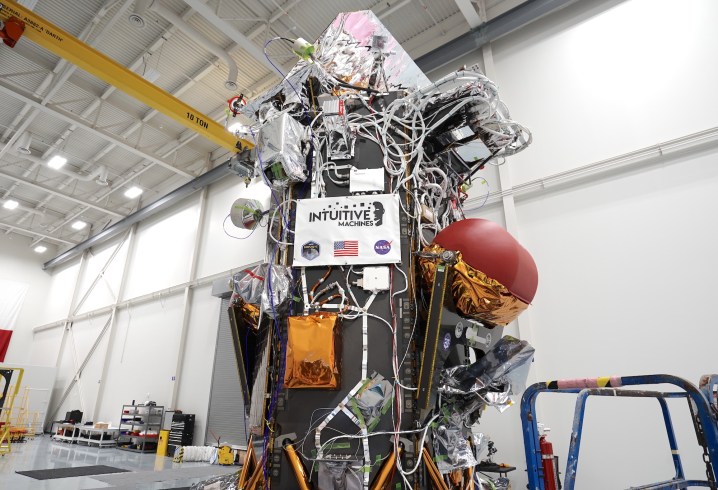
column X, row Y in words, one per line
column 341, row 445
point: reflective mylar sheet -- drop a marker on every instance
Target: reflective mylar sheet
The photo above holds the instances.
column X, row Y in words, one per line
column 452, row 450
column 475, row 294
column 223, row 482
column 252, row 288
column 507, row 358
column 280, row 151
column 312, row 352
column 344, row 51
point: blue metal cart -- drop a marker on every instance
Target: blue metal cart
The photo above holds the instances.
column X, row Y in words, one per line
column 701, row 403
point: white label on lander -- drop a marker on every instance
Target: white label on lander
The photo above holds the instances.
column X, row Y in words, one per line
column 347, row 231
column 366, row 180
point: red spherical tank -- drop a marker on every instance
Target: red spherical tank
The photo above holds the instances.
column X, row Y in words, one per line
column 486, row 246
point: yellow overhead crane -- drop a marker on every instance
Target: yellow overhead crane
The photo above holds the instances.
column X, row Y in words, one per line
column 16, row 17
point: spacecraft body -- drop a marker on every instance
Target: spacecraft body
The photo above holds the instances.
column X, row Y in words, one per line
column 371, row 340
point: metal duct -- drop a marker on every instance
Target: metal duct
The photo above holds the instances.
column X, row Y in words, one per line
column 192, row 33
column 230, row 31
column 159, row 205
column 23, row 143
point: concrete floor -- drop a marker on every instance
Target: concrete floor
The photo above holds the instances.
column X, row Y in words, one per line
column 41, row 453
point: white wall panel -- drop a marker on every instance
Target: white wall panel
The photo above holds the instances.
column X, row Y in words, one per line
column 492, row 212
column 220, row 252
column 163, row 250
column 44, row 347
column 19, row 263
column 598, row 79
column 626, row 266
column 143, row 355
column 67, row 368
column 194, row 378
column 58, row 295
column 106, row 290
column 80, row 341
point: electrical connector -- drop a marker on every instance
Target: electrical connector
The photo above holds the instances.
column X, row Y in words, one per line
column 303, row 48
column 375, row 279
column 427, row 214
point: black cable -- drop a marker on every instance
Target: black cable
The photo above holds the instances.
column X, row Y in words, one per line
column 483, row 162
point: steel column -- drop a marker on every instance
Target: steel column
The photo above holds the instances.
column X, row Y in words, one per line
column 187, row 300
column 75, row 307
column 67, row 323
column 100, row 274
column 78, row 371
column 113, row 322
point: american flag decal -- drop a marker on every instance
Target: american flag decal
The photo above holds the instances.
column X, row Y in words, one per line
column 346, row 248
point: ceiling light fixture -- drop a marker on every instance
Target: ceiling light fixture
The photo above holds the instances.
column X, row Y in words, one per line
column 233, row 128
column 40, row 249
column 151, row 75
column 79, row 225
column 241, row 130
column 10, row 204
column 133, row 192
column 56, row 162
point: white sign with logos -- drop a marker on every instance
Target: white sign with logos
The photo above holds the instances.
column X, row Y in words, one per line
column 349, row 230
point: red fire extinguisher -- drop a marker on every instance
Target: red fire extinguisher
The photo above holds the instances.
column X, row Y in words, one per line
column 549, row 461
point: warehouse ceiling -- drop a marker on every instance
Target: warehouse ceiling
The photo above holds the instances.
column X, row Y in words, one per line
column 111, row 141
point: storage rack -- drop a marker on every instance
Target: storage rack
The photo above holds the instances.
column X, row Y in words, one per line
column 93, row 436
column 66, row 433
column 136, row 419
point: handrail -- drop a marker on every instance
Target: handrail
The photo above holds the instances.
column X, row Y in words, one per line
column 701, row 399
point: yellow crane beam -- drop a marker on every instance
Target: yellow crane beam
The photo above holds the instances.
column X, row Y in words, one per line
column 95, row 63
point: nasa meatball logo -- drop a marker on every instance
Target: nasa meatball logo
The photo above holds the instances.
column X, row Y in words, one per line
column 310, row 250
column 447, row 341
column 382, row 247
column 459, row 330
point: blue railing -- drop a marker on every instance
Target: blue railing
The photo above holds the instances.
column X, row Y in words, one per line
column 702, row 405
